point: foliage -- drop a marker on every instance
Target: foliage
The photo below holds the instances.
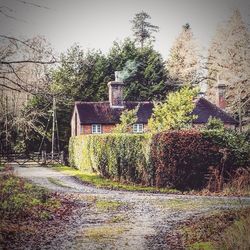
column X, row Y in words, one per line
column 127, row 119
column 110, row 155
column 175, row 112
column 236, row 145
column 83, row 76
column 183, row 64
column 214, row 123
column 183, row 159
column 142, row 70
column 142, row 28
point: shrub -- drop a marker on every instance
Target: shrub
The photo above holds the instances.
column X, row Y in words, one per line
column 183, row 159
column 117, row 156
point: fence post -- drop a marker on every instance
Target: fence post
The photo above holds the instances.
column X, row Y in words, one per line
column 44, row 157
column 62, row 157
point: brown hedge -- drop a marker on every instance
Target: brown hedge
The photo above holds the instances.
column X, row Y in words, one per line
column 182, row 159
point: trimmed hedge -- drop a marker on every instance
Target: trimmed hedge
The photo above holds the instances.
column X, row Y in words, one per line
column 176, row 159
column 117, row 156
column 183, row 159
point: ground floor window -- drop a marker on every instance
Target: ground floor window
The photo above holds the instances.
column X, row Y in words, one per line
column 96, row 128
column 138, row 128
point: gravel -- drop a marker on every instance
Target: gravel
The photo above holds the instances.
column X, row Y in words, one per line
column 143, row 221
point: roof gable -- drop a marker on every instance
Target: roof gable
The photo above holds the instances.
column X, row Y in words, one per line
column 204, row 109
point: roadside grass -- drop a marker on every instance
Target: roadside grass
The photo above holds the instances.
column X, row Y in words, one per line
column 19, row 198
column 182, row 204
column 221, row 230
column 104, row 233
column 100, row 182
column 106, row 205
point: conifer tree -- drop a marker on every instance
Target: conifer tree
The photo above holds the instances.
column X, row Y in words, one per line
column 183, row 63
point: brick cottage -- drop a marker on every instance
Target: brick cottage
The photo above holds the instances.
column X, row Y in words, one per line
column 102, row 117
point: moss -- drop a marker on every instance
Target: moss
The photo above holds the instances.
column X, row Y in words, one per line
column 104, row 233
column 117, row 219
column 201, row 245
column 106, row 205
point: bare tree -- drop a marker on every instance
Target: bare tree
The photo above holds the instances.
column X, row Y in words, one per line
column 229, row 64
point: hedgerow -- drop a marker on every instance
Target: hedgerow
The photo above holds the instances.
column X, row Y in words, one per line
column 118, row 156
column 182, row 159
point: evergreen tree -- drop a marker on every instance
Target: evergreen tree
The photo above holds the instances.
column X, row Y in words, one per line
column 143, row 29
column 142, row 70
column 229, row 64
column 183, row 64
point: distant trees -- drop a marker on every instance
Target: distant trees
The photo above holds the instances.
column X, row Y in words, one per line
column 183, row 64
column 23, row 68
column 229, row 64
column 142, row 29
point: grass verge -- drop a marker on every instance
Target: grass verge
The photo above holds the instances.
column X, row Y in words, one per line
column 28, row 212
column 222, row 230
column 100, row 182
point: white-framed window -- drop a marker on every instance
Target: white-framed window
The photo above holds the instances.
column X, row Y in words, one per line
column 81, row 129
column 96, row 128
column 138, row 128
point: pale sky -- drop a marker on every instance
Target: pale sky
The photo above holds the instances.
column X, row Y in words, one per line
column 97, row 23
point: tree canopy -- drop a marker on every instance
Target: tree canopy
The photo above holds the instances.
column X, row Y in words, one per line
column 174, row 112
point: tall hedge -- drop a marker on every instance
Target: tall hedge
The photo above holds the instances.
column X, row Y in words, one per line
column 183, row 159
column 117, row 156
column 177, row 159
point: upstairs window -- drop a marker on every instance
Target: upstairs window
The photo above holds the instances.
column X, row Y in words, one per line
column 96, row 128
column 138, row 128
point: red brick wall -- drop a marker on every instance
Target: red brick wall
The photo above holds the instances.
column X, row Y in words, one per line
column 106, row 128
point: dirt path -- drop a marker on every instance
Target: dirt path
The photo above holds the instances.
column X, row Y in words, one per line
column 108, row 219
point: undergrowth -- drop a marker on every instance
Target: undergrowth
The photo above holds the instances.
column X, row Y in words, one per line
column 222, row 230
column 19, row 198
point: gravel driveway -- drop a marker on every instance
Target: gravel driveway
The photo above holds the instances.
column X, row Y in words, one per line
column 108, row 219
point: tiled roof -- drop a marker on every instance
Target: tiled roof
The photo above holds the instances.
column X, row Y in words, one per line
column 204, row 109
column 101, row 112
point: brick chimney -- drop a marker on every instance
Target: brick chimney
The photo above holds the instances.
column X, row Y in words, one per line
column 220, row 96
column 116, row 92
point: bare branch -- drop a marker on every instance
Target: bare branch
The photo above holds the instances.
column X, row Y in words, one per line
column 28, row 61
column 8, row 87
column 33, row 4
